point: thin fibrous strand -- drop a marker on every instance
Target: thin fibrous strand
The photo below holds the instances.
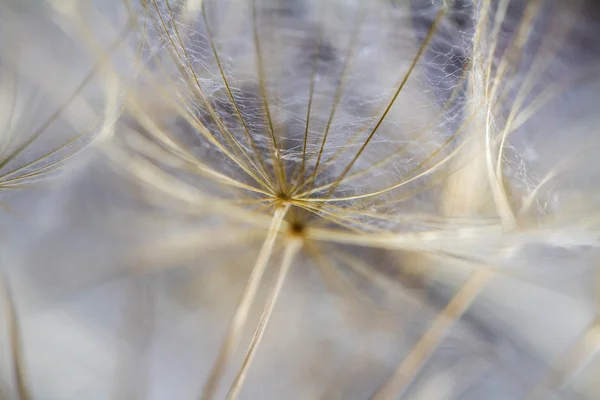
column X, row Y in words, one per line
column 524, row 89
column 547, row 95
column 184, row 247
column 144, row 30
column 311, row 92
column 188, row 200
column 6, row 130
column 171, row 153
column 465, row 375
column 155, row 178
column 196, row 124
column 186, row 62
column 539, row 102
column 327, row 217
column 264, row 208
column 330, row 161
column 339, row 213
column 233, row 142
column 4, row 176
column 13, row 132
column 131, row 11
column 342, row 149
column 398, row 151
column 418, row 136
column 14, row 330
column 426, row 220
column 291, row 249
column 504, row 61
column 253, row 201
column 482, row 16
column 277, row 161
column 238, row 321
column 16, row 186
column 574, row 361
column 498, row 21
column 422, row 187
column 561, row 166
column 523, row 33
column 359, row 306
column 39, row 174
column 182, row 162
column 385, row 160
column 334, row 278
column 397, row 185
column 342, row 220
column 152, row 128
column 328, row 263
column 377, row 279
column 200, row 205
column 412, row 218
column 134, row 20
column 537, row 69
column 428, row 241
column 42, row 128
column 424, row 349
column 431, row 156
column 186, row 71
column 432, row 243
column 424, row 45
column 498, row 190
column 263, row 170
column 340, row 86
column 11, row 141
column 529, row 200
column 550, row 93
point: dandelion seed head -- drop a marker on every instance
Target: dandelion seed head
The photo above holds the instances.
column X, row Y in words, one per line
column 340, row 199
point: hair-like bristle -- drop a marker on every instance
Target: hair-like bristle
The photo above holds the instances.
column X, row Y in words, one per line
column 300, row 199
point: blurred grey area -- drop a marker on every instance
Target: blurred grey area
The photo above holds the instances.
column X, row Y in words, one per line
column 96, row 325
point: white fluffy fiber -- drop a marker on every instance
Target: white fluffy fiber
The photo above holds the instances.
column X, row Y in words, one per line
column 124, row 278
